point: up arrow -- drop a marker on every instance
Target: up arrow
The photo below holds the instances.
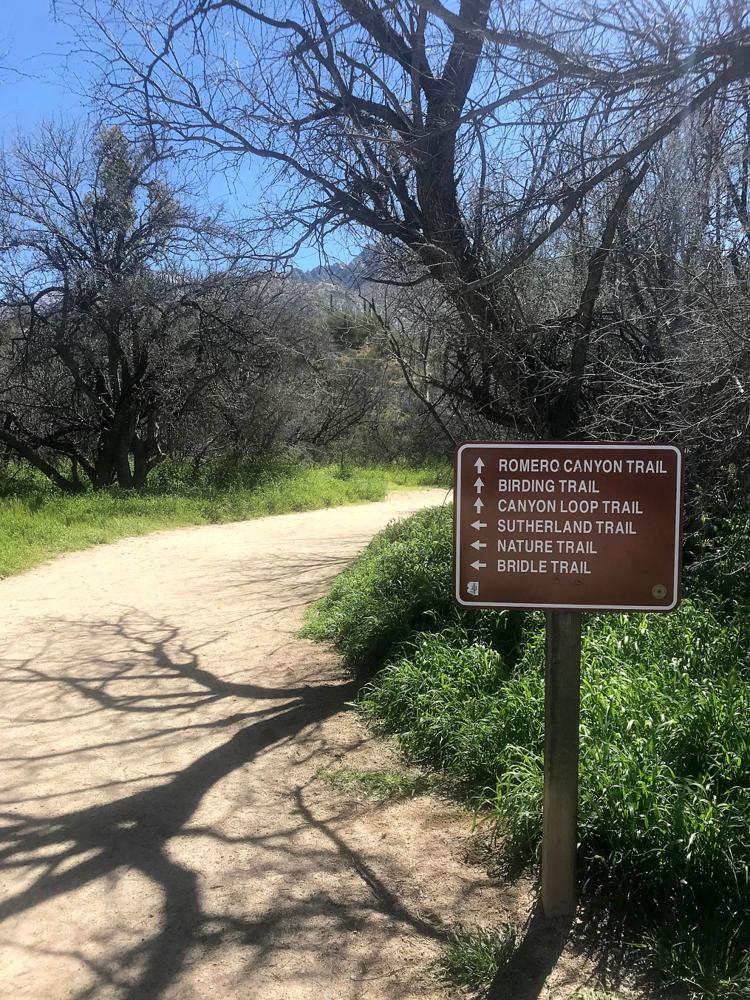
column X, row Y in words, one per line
column 479, row 545
column 479, row 465
column 478, row 504
column 478, row 524
column 479, row 484
column 478, row 565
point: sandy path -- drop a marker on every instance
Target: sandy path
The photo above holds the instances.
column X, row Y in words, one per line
column 163, row 831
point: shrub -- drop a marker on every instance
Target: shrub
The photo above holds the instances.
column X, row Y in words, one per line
column 665, row 743
column 400, row 585
column 664, row 784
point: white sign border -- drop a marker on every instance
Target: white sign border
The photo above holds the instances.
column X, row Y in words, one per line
column 498, row 445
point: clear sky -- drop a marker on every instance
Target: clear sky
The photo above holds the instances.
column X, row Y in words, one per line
column 36, row 80
column 43, row 77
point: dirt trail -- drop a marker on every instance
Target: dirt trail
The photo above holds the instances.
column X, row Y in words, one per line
column 164, row 834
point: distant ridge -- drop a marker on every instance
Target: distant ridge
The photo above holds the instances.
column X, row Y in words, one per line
column 335, row 274
column 349, row 275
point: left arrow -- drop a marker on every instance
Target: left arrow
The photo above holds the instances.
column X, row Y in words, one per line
column 478, row 565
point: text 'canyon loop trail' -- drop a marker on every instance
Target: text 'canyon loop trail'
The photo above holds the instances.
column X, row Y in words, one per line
column 571, row 526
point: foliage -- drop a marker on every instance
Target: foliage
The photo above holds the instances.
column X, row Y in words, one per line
column 442, row 698
column 350, row 330
column 400, row 585
column 135, row 326
column 472, row 958
column 37, row 521
column 665, row 746
column 721, row 559
column 116, row 318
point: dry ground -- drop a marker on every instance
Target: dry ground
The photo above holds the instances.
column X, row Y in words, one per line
column 164, row 834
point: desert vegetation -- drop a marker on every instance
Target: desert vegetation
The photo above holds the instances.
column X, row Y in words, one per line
column 664, row 744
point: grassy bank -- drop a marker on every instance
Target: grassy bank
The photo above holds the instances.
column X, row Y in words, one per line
column 665, row 744
column 37, row 521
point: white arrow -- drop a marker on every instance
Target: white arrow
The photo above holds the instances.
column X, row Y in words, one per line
column 478, row 565
column 479, row 465
column 479, row 484
column 478, row 524
column 478, row 504
column 479, row 545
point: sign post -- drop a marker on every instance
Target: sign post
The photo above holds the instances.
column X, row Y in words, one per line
column 562, row 681
column 566, row 528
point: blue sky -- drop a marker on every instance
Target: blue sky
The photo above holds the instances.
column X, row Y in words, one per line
column 42, row 77
column 34, row 80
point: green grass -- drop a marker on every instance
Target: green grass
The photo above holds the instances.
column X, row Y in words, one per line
column 472, row 958
column 400, row 586
column 665, row 742
column 383, row 785
column 37, row 521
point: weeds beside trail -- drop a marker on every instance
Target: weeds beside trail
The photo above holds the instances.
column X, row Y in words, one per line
column 665, row 740
column 37, row 521
column 472, row 958
column 382, row 785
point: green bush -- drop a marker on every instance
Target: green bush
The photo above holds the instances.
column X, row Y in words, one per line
column 665, row 739
column 222, row 475
column 721, row 561
column 664, row 784
column 455, row 703
column 400, row 585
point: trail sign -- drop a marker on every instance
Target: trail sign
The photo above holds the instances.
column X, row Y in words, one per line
column 568, row 526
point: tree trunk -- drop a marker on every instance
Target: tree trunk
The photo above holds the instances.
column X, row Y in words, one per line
column 27, row 452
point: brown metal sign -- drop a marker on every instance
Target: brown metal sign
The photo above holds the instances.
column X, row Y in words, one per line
column 576, row 526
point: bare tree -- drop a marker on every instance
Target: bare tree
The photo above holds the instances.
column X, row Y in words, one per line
column 119, row 307
column 666, row 343
column 439, row 131
column 312, row 394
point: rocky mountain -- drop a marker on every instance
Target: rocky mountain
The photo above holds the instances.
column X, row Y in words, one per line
column 350, row 275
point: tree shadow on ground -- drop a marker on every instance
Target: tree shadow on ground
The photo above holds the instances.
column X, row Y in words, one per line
column 133, row 832
column 525, row 975
column 62, row 853
column 157, row 680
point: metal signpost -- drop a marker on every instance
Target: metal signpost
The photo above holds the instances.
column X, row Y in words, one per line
column 566, row 528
